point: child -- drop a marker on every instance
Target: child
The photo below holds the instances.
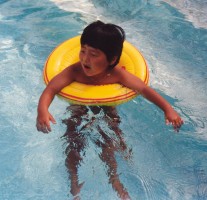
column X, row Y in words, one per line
column 101, row 48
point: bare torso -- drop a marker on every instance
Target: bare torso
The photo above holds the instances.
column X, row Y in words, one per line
column 106, row 77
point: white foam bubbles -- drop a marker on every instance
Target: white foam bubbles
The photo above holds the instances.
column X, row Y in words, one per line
column 194, row 11
column 85, row 7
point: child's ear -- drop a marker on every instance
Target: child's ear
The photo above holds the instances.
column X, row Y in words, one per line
column 114, row 60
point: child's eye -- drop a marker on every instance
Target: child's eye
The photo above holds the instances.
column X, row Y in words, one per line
column 94, row 54
column 82, row 51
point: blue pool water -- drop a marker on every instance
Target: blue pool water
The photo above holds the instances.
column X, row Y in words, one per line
column 172, row 35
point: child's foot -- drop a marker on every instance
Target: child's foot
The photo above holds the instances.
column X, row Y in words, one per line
column 125, row 196
column 75, row 190
column 76, row 198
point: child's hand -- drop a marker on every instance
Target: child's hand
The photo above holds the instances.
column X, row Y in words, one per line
column 43, row 122
column 172, row 117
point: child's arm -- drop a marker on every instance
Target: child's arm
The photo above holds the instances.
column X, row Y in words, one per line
column 131, row 81
column 54, row 87
column 171, row 116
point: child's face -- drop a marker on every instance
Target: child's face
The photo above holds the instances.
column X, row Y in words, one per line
column 93, row 60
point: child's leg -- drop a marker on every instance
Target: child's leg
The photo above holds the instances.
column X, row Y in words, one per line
column 76, row 144
column 108, row 156
column 113, row 120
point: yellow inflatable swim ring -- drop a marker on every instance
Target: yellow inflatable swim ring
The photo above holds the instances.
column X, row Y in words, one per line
column 67, row 53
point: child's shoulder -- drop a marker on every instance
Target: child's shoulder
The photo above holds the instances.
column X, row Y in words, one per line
column 119, row 70
column 74, row 68
column 117, row 73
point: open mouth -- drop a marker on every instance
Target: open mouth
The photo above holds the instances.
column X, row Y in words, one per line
column 86, row 67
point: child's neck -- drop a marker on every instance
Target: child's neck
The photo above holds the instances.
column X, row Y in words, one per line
column 99, row 78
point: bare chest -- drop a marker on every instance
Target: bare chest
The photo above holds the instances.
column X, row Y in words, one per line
column 96, row 80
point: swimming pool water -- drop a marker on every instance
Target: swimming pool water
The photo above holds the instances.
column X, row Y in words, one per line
column 172, row 35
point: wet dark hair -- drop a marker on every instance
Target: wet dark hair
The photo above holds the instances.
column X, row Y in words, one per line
column 108, row 38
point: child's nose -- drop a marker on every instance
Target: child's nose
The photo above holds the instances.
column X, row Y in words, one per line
column 86, row 59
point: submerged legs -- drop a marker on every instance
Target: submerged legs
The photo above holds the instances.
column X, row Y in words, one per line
column 77, row 143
